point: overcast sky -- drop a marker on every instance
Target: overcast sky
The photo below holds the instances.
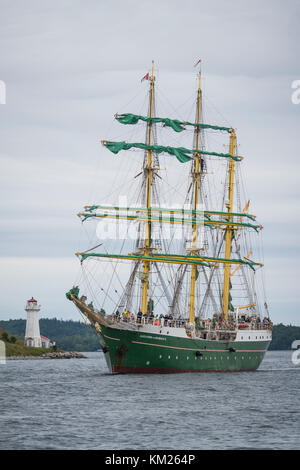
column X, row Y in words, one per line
column 69, row 65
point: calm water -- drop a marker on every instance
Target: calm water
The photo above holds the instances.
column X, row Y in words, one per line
column 75, row 404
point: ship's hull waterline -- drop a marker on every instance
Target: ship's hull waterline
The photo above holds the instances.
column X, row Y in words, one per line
column 128, row 351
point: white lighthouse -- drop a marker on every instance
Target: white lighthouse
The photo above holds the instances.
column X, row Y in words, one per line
column 32, row 333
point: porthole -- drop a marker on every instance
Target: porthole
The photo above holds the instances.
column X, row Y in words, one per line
column 147, row 363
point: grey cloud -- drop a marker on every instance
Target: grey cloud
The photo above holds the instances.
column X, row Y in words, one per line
column 70, row 65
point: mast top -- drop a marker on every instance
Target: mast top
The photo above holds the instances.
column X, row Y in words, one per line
column 199, row 78
column 152, row 74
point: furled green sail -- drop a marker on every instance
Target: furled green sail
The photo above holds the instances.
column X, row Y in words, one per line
column 170, row 219
column 178, row 259
column 175, row 258
column 175, row 124
column 182, row 211
column 181, row 153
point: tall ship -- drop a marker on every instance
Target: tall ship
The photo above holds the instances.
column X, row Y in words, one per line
column 180, row 287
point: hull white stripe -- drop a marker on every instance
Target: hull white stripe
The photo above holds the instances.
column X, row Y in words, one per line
column 198, row 349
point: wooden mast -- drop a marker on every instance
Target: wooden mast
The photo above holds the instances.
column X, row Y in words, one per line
column 148, row 170
column 196, row 199
column 229, row 232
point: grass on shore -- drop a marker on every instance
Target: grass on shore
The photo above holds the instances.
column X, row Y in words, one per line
column 15, row 346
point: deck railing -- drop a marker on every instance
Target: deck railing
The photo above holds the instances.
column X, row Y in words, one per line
column 168, row 322
column 205, row 325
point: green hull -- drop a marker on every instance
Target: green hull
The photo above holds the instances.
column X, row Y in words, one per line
column 128, row 351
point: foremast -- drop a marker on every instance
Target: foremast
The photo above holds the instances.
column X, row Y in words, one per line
column 196, row 175
column 148, row 171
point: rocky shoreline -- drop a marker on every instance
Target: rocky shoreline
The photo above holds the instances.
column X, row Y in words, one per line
column 51, row 355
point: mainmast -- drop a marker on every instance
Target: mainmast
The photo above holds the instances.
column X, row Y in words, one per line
column 229, row 231
column 196, row 174
column 148, row 172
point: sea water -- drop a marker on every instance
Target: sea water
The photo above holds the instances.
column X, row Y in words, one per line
column 76, row 404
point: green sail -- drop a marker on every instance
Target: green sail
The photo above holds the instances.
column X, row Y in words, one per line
column 171, row 257
column 181, row 153
column 182, row 211
column 171, row 219
column 175, row 124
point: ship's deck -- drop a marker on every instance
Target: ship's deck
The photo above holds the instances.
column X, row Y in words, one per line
column 206, row 329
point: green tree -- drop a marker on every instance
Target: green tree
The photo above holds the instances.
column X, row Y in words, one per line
column 4, row 336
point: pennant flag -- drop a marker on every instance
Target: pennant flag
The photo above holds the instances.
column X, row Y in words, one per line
column 246, row 206
column 199, row 61
column 146, row 77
